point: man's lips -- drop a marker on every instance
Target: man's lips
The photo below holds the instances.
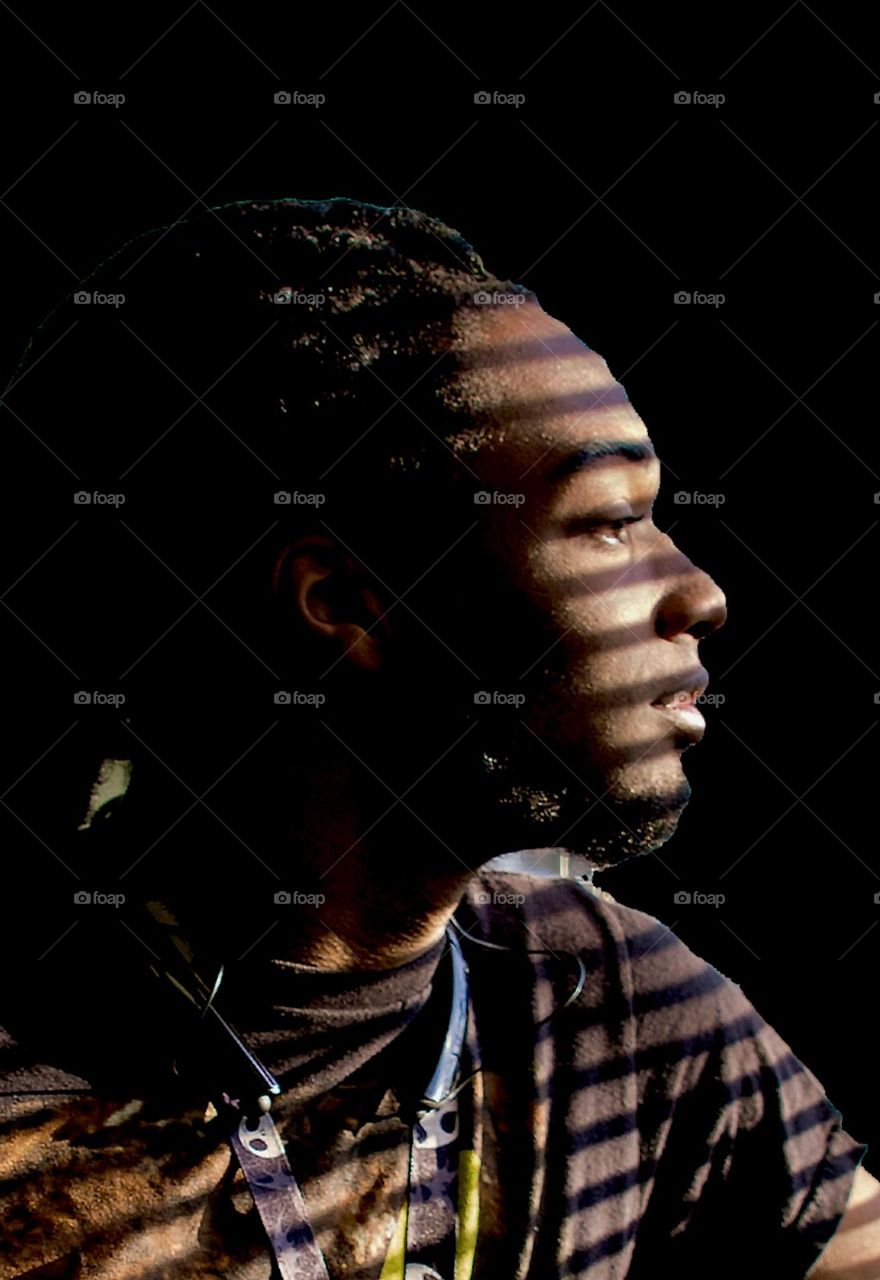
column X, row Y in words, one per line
column 680, row 703
column 685, row 692
column 682, row 698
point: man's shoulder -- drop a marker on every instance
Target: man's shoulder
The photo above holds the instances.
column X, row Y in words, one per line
column 575, row 915
column 568, row 910
column 630, row 952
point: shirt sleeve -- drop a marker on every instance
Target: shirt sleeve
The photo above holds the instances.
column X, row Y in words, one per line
column 768, row 1166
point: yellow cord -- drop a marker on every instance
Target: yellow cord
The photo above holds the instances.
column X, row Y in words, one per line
column 395, row 1259
column 468, row 1213
column 468, row 1222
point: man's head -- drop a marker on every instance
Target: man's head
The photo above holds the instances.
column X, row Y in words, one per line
column 565, row 613
column 481, row 594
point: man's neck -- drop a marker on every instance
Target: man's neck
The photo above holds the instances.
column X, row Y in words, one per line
column 367, row 923
column 379, row 887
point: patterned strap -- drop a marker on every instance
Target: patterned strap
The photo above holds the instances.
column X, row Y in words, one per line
column 433, row 1191
column 441, row 1211
column 278, row 1199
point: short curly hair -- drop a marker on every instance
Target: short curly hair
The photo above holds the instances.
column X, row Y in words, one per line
column 331, row 331
column 353, row 380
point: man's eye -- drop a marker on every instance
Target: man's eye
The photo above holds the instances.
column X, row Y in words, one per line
column 609, row 533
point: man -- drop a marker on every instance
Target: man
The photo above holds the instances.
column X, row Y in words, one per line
column 466, row 562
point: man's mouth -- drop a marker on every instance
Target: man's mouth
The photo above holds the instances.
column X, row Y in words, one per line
column 680, row 704
column 686, row 693
column 682, row 698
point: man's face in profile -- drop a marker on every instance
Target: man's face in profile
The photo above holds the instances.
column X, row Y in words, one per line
column 585, row 607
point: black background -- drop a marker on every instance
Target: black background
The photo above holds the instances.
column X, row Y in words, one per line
column 606, row 197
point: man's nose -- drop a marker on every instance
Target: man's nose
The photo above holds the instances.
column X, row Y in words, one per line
column 692, row 601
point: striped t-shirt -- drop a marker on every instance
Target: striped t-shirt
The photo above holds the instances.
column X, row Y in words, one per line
column 655, row 1124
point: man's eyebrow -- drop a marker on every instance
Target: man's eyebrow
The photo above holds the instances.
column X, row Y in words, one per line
column 593, row 450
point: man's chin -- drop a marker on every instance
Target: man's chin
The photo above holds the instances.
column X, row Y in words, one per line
column 623, row 827
column 606, row 830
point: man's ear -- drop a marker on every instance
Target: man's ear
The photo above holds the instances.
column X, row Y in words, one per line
column 333, row 596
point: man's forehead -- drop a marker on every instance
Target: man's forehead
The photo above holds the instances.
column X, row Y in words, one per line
column 546, row 389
